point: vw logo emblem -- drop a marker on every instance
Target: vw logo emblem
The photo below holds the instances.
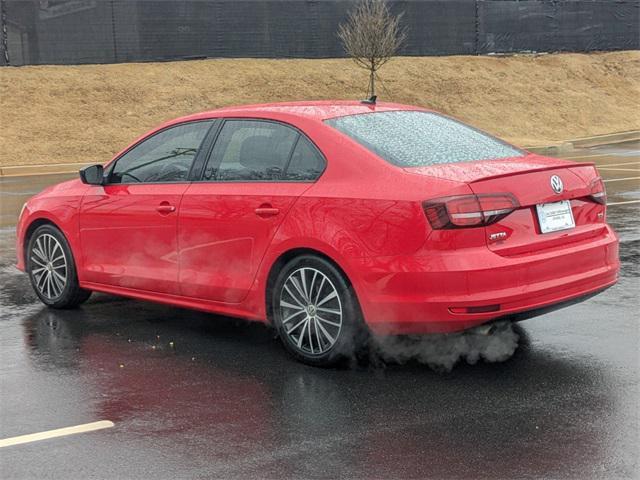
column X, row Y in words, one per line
column 556, row 184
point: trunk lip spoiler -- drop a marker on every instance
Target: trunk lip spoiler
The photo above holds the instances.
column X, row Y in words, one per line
column 540, row 168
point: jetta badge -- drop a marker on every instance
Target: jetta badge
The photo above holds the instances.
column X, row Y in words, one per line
column 556, row 184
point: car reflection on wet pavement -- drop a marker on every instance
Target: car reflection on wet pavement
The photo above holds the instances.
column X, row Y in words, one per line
column 195, row 395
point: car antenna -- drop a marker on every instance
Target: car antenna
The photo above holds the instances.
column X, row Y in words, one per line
column 371, row 100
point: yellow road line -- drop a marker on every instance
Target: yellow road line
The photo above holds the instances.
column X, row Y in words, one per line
column 620, row 179
column 60, row 432
column 623, row 203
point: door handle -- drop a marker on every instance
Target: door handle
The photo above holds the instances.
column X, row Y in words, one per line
column 266, row 211
column 165, row 208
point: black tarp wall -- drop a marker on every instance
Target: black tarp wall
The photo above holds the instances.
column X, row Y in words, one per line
column 108, row 31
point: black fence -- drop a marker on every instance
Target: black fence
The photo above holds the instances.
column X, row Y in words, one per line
column 103, row 31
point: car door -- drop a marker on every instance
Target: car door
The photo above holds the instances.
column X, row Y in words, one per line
column 255, row 172
column 128, row 226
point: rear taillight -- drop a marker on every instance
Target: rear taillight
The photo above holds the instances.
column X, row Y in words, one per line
column 597, row 191
column 465, row 211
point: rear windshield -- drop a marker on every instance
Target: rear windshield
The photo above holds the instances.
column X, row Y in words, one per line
column 418, row 139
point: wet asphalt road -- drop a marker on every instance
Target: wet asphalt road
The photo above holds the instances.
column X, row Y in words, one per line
column 199, row 396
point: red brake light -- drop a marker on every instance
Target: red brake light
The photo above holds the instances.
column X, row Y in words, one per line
column 597, row 191
column 469, row 210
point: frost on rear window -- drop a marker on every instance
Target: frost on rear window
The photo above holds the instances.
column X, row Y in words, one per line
column 418, row 139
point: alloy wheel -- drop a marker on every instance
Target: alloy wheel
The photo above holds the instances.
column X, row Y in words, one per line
column 311, row 311
column 49, row 266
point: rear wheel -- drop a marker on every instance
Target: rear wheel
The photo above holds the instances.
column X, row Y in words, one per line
column 52, row 269
column 316, row 312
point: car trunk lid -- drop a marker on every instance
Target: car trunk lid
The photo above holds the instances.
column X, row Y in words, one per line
column 528, row 179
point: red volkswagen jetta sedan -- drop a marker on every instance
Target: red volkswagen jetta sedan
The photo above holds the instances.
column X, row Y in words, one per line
column 325, row 219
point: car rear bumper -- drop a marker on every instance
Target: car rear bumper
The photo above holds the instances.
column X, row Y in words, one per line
column 455, row 290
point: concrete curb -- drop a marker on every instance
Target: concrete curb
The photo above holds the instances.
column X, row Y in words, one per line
column 586, row 142
column 554, row 149
column 29, row 170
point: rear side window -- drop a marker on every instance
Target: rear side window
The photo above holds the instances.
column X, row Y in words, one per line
column 417, row 139
column 250, row 150
column 165, row 157
column 306, row 162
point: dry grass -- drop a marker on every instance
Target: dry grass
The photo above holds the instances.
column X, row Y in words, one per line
column 63, row 114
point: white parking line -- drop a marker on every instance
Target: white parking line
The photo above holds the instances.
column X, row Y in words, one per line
column 623, row 203
column 620, row 179
column 573, row 157
column 619, row 169
column 59, row 432
column 614, row 153
column 607, row 165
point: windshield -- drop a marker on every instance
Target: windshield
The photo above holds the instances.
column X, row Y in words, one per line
column 418, row 139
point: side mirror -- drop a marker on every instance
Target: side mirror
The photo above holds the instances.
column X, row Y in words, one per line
column 93, row 175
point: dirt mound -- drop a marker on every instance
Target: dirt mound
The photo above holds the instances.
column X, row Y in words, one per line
column 64, row 114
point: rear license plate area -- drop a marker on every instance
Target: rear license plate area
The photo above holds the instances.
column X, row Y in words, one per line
column 555, row 216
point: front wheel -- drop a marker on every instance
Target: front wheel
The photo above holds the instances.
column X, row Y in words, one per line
column 316, row 312
column 52, row 269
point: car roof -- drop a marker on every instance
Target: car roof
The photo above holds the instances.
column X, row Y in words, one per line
column 317, row 110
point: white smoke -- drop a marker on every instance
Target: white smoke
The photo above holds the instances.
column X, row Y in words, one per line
column 441, row 352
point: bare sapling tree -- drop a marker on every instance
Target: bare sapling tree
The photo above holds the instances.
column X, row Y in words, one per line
column 371, row 36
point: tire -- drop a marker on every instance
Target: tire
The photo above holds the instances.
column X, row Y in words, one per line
column 318, row 320
column 52, row 269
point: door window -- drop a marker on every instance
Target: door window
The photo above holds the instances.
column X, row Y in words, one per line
column 165, row 157
column 251, row 150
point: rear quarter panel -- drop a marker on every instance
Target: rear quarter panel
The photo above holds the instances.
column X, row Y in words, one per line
column 361, row 207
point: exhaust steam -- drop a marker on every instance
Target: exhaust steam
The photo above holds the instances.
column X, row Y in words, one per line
column 493, row 343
